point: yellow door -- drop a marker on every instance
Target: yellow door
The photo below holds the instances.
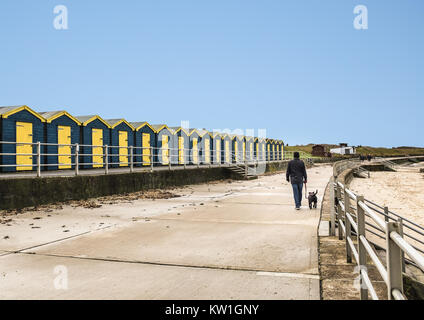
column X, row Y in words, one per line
column 227, row 151
column 195, row 152
column 165, row 149
column 97, row 140
column 207, row 151
column 64, row 139
column 23, row 135
column 273, row 152
column 263, row 152
column 146, row 149
column 236, row 151
column 181, row 149
column 123, row 152
column 269, row 152
column 257, row 151
column 244, row 151
column 218, row 151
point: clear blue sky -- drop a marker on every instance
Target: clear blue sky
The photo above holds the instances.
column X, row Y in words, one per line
column 296, row 68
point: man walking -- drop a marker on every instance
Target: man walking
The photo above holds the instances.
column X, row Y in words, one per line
column 296, row 173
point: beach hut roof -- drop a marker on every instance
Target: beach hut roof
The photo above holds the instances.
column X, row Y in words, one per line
column 159, row 127
column 176, row 129
column 7, row 111
column 50, row 116
column 85, row 120
column 116, row 122
column 203, row 132
column 140, row 124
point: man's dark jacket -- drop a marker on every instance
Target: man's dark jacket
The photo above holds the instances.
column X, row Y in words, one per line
column 296, row 171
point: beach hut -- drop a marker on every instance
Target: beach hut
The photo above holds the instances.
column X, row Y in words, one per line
column 205, row 146
column 23, row 126
column 250, row 152
column 277, row 150
column 144, row 142
column 95, row 136
column 217, row 155
column 238, row 148
column 121, row 141
column 227, row 148
column 280, row 149
column 181, row 145
column 268, row 149
column 259, row 149
column 61, row 129
column 194, row 146
column 164, row 143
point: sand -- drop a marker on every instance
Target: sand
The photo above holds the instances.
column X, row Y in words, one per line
column 401, row 191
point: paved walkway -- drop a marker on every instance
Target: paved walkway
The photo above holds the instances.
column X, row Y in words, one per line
column 227, row 240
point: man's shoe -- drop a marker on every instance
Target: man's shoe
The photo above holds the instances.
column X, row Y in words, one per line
column 297, row 208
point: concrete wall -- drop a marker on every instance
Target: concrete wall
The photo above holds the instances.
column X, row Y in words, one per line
column 28, row 192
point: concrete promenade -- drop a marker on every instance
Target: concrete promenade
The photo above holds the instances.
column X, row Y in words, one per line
column 226, row 240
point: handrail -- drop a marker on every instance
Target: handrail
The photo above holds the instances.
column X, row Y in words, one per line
column 42, row 155
column 352, row 220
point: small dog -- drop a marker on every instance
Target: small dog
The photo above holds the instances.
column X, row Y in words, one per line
column 313, row 200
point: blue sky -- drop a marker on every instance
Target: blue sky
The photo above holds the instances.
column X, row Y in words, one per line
column 296, row 68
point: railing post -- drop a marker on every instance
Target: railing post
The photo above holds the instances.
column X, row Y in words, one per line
column 169, row 159
column 38, row 159
column 151, row 159
column 332, row 209
column 362, row 253
column 131, row 159
column 106, row 153
column 400, row 222
column 348, row 226
column 386, row 212
column 76, row 159
column 394, row 263
column 185, row 156
column 339, row 211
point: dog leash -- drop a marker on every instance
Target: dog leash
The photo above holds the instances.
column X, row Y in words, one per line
column 306, row 191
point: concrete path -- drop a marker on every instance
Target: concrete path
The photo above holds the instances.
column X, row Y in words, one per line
column 238, row 240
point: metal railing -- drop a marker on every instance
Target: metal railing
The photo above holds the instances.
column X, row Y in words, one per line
column 368, row 223
column 82, row 156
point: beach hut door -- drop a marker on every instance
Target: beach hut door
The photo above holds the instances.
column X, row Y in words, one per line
column 24, row 135
column 218, row 151
column 195, row 154
column 181, row 149
column 97, row 142
column 227, row 151
column 165, row 150
column 64, row 141
column 123, row 148
column 269, row 153
column 207, row 151
column 146, row 149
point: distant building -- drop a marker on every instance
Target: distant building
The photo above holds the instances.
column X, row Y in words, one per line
column 318, row 150
column 344, row 149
